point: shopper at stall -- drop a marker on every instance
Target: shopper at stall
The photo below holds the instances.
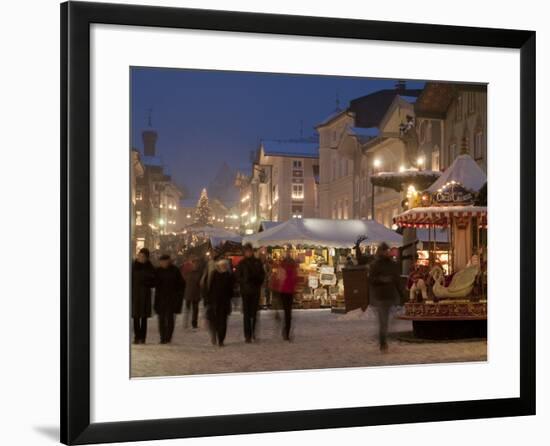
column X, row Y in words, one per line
column 170, row 289
column 143, row 279
column 287, row 280
column 385, row 290
column 218, row 301
column 192, row 273
column 250, row 276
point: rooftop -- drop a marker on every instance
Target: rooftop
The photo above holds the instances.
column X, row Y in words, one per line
column 296, row 148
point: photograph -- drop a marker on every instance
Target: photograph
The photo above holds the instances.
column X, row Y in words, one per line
column 284, row 222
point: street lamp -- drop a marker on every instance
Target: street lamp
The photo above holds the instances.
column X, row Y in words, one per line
column 420, row 162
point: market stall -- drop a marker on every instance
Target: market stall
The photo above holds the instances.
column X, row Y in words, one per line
column 450, row 300
column 320, row 247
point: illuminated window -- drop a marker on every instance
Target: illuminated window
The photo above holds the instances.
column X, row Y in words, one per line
column 138, row 218
column 297, row 191
column 139, row 195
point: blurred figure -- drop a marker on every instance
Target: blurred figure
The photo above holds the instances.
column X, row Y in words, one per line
column 143, row 279
column 267, row 278
column 192, row 274
column 170, row 289
column 288, row 277
column 385, row 290
column 250, row 275
column 218, row 301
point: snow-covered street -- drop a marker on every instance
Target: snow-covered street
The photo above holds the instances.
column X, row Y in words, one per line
column 321, row 340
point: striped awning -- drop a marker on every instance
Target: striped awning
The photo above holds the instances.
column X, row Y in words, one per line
column 441, row 216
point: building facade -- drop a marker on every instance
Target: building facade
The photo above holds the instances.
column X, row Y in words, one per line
column 157, row 198
column 355, row 143
column 283, row 183
column 451, row 117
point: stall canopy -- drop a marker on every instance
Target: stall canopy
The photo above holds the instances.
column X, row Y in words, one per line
column 218, row 241
column 325, row 233
column 211, row 231
column 463, row 170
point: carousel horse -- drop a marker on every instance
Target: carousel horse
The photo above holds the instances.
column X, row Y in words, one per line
column 461, row 284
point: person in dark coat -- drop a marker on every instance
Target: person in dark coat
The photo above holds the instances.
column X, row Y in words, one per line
column 192, row 274
column 169, row 292
column 218, row 301
column 250, row 275
column 143, row 279
column 385, row 289
column 287, row 286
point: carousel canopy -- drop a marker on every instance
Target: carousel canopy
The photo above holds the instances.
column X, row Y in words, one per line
column 463, row 170
column 423, row 217
column 324, row 232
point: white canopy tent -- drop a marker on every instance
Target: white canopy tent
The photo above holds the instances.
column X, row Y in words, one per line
column 463, row 170
column 324, row 232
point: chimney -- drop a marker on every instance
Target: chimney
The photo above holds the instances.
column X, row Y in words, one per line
column 401, row 86
column 149, row 138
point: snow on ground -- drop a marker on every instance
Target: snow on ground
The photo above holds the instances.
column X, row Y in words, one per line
column 321, row 339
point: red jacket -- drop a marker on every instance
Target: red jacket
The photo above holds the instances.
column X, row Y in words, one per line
column 286, row 277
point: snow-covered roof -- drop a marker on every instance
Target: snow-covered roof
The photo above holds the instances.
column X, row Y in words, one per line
column 364, row 134
column 302, row 149
column 324, row 232
column 463, row 170
column 332, row 116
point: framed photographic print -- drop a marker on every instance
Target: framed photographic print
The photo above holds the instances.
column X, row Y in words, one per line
column 275, row 223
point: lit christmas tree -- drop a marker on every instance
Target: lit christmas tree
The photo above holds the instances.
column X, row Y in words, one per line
column 203, row 212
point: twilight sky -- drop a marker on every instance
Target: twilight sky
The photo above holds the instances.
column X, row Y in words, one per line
column 204, row 118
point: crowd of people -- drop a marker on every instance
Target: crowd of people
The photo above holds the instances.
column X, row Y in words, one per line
column 215, row 282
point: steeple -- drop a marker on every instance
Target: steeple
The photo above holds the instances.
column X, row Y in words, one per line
column 149, row 136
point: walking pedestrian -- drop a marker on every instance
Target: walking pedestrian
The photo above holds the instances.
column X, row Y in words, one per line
column 384, row 290
column 287, row 285
column 143, row 279
column 218, row 301
column 192, row 276
column 170, row 289
column 250, row 276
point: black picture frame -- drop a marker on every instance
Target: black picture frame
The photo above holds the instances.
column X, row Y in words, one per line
column 76, row 18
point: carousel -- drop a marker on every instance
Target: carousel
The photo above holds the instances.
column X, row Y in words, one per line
column 449, row 299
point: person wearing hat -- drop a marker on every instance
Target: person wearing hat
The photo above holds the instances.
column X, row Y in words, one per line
column 250, row 275
column 218, row 301
column 143, row 279
column 384, row 290
column 170, row 289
